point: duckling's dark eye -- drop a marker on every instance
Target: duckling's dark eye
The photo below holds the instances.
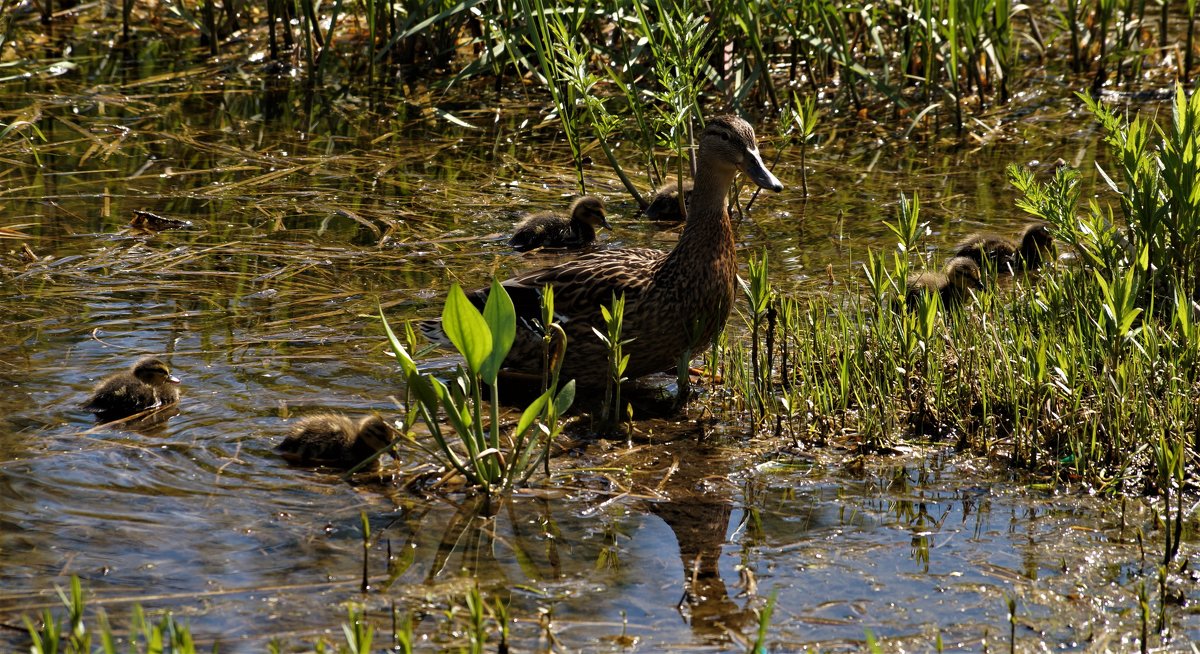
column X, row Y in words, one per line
column 724, row 136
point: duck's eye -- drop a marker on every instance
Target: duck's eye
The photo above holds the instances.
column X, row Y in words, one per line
column 724, row 135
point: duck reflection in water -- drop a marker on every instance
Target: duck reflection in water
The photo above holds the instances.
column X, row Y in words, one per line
column 699, row 518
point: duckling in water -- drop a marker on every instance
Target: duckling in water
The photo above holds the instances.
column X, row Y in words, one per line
column 1006, row 254
column 329, row 439
column 149, row 384
column 954, row 284
column 550, row 230
column 664, row 204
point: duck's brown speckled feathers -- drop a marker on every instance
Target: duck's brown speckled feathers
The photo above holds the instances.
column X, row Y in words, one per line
column 1006, row 255
column 664, row 205
column 550, row 230
column 334, row 440
column 674, row 302
column 147, row 385
column 954, row 284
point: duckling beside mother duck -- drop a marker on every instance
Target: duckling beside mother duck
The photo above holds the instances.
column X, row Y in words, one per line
column 550, row 230
column 666, row 205
column 675, row 302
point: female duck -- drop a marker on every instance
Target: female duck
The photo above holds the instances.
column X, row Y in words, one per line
column 674, row 301
column 1005, row 254
column 550, row 230
column 329, row 439
column 664, row 204
column 954, row 284
column 149, row 384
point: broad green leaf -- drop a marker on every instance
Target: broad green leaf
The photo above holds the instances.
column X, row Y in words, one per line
column 466, row 328
column 565, row 398
column 532, row 412
column 501, row 319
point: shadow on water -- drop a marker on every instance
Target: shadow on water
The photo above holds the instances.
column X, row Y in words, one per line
column 266, row 308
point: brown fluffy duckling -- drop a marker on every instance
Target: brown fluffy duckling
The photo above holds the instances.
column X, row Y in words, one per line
column 664, row 204
column 1007, row 255
column 550, row 230
column 147, row 385
column 954, row 284
column 334, row 440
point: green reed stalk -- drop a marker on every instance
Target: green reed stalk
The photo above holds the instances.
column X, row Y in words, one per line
column 1104, row 9
column 358, row 631
column 1188, row 47
column 759, row 297
column 540, row 34
column 803, row 114
column 477, row 625
column 583, row 90
column 614, row 318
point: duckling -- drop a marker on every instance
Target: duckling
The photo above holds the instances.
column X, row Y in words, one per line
column 147, row 385
column 550, row 230
column 330, row 439
column 1008, row 255
column 954, row 284
column 664, row 204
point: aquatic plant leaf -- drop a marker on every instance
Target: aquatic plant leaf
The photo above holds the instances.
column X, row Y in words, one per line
column 565, row 398
column 501, row 318
column 532, row 412
column 406, row 361
column 466, row 328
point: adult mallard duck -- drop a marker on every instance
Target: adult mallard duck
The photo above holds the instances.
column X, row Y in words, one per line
column 954, row 284
column 1005, row 254
column 674, row 301
column 550, row 230
column 334, row 440
column 149, row 384
column 664, row 204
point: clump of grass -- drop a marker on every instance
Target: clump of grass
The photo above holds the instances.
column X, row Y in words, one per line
column 75, row 637
column 1081, row 373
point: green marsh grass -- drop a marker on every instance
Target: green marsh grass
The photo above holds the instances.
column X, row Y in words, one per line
column 51, row 636
column 1080, row 373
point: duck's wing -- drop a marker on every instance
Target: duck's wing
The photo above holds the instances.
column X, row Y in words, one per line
column 583, row 284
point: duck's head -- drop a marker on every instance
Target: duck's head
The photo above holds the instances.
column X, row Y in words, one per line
column 374, row 432
column 154, row 372
column 728, row 141
column 963, row 274
column 589, row 210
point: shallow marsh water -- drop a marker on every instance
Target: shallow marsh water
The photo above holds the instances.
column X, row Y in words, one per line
column 266, row 309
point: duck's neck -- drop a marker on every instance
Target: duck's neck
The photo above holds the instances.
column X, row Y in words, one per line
column 707, row 239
